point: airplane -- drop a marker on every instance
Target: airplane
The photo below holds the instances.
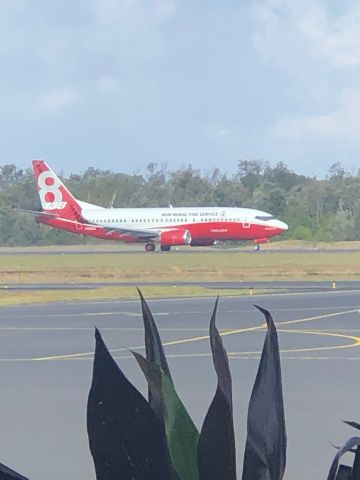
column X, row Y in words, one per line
column 171, row 226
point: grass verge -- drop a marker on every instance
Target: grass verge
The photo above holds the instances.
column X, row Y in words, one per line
column 16, row 297
column 173, row 267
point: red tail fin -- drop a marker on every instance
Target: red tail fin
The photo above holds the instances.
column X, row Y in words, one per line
column 54, row 196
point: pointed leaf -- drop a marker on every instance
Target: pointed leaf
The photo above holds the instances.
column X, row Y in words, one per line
column 7, row 474
column 265, row 450
column 125, row 435
column 216, row 450
column 352, row 424
column 154, row 350
column 349, row 445
column 182, row 435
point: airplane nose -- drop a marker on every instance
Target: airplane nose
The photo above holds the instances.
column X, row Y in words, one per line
column 280, row 225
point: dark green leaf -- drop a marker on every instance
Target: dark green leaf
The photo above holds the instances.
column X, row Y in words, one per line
column 216, row 450
column 352, row 424
column 349, row 445
column 265, row 450
column 154, row 350
column 125, row 435
column 7, row 474
column 355, row 474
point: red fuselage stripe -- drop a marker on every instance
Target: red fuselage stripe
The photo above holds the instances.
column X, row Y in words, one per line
column 199, row 231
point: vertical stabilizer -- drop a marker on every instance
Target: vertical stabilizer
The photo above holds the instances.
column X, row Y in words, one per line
column 55, row 198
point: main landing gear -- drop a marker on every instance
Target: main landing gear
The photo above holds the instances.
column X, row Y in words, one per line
column 256, row 248
column 149, row 247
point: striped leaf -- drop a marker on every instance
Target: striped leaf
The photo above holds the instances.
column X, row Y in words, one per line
column 154, row 351
column 182, row 435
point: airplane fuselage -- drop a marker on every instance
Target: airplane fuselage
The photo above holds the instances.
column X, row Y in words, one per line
column 204, row 224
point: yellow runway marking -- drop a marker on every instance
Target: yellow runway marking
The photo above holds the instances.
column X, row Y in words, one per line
column 200, row 338
column 165, row 344
column 205, row 337
column 355, row 343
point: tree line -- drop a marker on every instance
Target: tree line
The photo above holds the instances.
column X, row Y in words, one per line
column 315, row 209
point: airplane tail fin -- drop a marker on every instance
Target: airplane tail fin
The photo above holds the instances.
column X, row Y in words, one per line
column 55, row 198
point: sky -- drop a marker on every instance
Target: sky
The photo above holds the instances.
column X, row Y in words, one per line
column 119, row 84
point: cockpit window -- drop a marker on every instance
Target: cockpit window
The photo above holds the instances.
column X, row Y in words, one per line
column 263, row 218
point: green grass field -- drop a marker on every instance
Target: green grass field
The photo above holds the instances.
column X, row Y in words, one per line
column 15, row 297
column 173, row 267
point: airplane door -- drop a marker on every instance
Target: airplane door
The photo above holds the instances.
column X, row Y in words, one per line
column 246, row 223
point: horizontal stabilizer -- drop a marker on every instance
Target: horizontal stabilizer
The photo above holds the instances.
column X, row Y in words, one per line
column 36, row 213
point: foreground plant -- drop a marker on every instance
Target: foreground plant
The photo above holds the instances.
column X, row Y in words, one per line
column 131, row 438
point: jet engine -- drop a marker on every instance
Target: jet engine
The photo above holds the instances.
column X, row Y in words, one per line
column 175, row 237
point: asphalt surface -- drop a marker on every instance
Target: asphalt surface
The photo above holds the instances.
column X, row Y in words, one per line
column 46, row 367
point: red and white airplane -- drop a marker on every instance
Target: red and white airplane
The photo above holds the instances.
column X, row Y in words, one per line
column 195, row 226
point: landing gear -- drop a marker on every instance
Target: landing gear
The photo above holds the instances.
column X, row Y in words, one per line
column 165, row 248
column 256, row 248
column 149, row 247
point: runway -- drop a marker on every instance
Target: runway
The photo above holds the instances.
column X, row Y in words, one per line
column 46, row 366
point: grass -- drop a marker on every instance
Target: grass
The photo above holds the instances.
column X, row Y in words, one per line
column 163, row 267
column 17, row 297
column 219, row 266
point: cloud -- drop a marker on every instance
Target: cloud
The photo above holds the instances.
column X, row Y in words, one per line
column 310, row 29
column 336, row 39
column 315, row 46
column 341, row 125
column 58, row 99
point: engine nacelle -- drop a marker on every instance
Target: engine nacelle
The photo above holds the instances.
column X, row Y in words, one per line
column 258, row 241
column 175, row 237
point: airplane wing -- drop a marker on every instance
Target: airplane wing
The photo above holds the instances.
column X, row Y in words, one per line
column 135, row 232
